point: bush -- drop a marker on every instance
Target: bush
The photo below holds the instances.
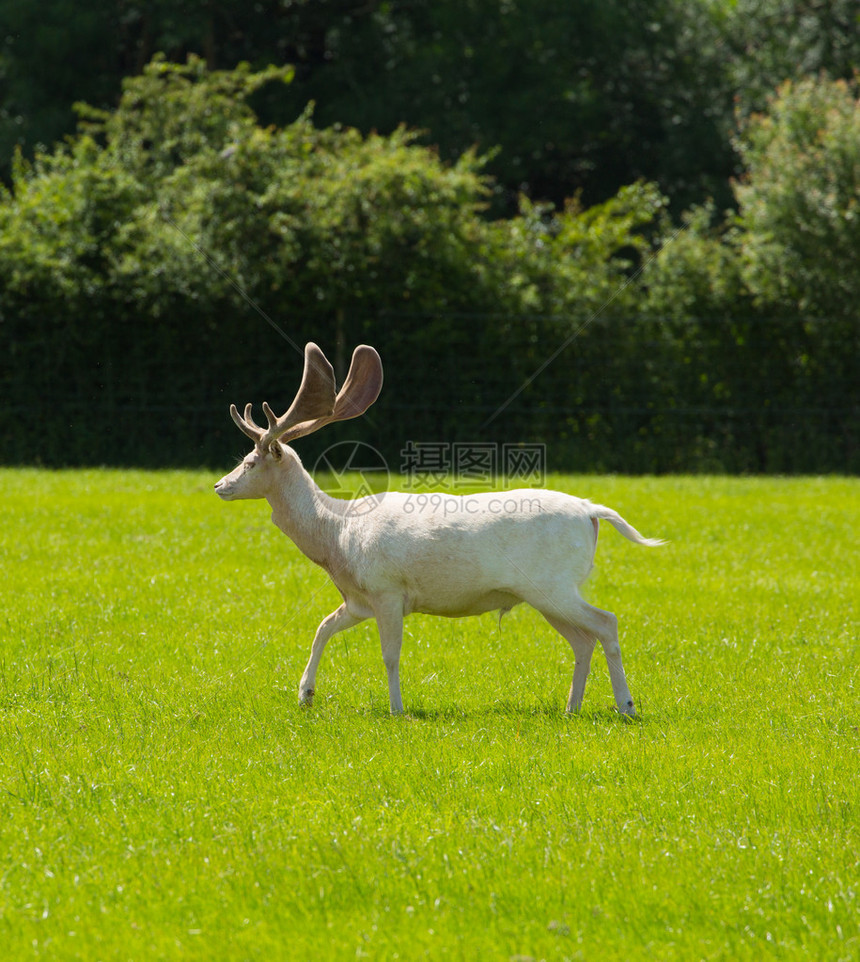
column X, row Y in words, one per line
column 147, row 254
column 800, row 200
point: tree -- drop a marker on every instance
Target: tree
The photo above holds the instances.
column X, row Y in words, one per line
column 578, row 97
column 770, row 41
column 586, row 96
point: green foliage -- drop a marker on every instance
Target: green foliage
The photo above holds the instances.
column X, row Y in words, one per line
column 171, row 113
column 769, row 297
column 767, row 42
column 163, row 795
column 800, row 213
column 695, row 271
column 576, row 262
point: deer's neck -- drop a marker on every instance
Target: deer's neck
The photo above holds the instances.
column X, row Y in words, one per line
column 308, row 516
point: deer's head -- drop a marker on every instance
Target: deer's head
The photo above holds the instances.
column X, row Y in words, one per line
column 316, row 404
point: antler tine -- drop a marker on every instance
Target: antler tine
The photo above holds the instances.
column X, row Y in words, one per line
column 248, row 417
column 314, row 400
column 246, row 424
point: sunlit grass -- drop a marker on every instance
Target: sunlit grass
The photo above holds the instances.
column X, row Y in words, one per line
column 162, row 794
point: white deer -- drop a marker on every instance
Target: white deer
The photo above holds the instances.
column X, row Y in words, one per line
column 390, row 554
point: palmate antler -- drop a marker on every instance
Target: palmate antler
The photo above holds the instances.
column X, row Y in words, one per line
column 316, row 403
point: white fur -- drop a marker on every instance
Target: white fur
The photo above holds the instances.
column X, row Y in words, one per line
column 393, row 554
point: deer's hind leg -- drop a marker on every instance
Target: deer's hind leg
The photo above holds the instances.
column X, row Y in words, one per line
column 581, row 626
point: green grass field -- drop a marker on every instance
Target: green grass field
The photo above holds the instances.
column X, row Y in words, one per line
column 162, row 795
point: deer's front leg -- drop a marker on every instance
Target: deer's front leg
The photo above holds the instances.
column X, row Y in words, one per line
column 331, row 625
column 389, row 620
